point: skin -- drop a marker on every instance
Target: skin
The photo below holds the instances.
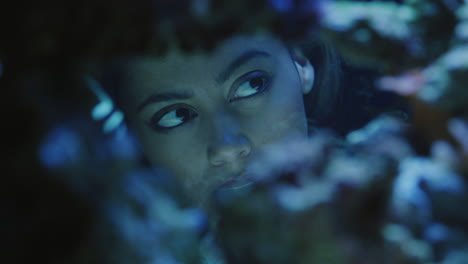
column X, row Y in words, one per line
column 231, row 111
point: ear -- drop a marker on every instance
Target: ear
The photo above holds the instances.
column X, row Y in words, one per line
column 306, row 71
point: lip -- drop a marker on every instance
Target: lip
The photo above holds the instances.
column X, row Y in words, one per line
column 235, row 183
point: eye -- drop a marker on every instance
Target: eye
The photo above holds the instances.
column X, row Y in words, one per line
column 172, row 116
column 250, row 84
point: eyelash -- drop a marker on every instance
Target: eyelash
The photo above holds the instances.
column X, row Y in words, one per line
column 158, row 116
column 248, row 77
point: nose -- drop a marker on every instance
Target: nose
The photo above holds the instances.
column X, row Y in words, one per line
column 229, row 145
column 229, row 150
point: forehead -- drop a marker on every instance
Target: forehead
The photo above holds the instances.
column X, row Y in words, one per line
column 200, row 64
column 184, row 71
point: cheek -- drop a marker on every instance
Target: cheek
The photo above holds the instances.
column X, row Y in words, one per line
column 180, row 154
column 281, row 123
column 285, row 110
column 183, row 155
column 290, row 123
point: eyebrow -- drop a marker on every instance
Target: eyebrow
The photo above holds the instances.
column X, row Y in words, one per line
column 238, row 62
column 163, row 97
column 222, row 77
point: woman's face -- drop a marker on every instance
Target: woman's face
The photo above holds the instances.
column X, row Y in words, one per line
column 204, row 116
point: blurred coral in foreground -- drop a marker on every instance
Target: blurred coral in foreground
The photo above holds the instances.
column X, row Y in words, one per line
column 372, row 200
column 391, row 192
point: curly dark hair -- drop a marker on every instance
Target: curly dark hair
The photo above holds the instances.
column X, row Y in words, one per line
column 319, row 103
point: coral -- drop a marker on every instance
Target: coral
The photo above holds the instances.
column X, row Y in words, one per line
column 391, row 192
